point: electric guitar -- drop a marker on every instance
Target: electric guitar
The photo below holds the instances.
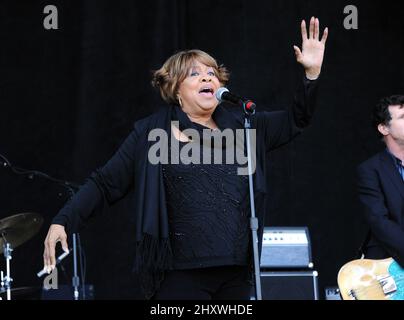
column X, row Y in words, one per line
column 371, row 280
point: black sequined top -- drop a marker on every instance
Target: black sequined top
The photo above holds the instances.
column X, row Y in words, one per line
column 208, row 213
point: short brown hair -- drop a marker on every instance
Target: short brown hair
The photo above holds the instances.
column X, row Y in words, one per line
column 174, row 71
column 381, row 113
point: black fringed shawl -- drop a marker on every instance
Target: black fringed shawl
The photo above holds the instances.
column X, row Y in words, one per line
column 153, row 251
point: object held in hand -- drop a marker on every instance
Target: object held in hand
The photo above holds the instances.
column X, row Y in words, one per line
column 58, row 260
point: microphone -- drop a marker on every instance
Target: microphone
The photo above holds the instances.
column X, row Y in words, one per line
column 58, row 260
column 224, row 95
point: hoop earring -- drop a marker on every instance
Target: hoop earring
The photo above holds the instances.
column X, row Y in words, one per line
column 179, row 101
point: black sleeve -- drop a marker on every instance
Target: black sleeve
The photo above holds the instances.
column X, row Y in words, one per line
column 106, row 185
column 282, row 126
column 388, row 232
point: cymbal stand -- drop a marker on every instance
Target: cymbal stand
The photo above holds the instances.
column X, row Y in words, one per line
column 6, row 281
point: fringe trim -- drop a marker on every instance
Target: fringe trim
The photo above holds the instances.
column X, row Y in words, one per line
column 153, row 258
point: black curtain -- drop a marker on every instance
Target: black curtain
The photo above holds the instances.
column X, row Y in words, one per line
column 70, row 96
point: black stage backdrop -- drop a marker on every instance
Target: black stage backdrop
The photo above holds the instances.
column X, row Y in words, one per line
column 70, row 96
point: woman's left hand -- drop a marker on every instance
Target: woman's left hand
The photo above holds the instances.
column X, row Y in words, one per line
column 312, row 55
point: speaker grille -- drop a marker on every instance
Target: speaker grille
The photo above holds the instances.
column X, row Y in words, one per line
column 289, row 285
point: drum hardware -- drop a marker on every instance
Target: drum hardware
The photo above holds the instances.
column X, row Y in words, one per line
column 14, row 231
column 71, row 188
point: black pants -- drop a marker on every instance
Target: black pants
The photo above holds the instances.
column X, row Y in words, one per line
column 217, row 283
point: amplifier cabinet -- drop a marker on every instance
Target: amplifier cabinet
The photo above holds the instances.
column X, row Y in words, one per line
column 279, row 285
column 286, row 248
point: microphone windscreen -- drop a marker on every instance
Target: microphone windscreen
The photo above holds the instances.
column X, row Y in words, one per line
column 220, row 92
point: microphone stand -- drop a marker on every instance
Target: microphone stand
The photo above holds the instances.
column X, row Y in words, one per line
column 254, row 224
column 75, row 279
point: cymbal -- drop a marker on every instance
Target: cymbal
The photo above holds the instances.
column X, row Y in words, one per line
column 19, row 228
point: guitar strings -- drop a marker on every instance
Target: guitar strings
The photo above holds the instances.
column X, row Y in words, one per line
column 376, row 283
column 377, row 287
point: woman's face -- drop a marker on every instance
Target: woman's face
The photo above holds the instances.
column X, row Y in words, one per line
column 197, row 91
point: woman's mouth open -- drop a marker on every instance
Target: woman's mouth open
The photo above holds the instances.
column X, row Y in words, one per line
column 207, row 92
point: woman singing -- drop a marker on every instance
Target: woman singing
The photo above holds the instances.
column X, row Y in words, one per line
column 192, row 218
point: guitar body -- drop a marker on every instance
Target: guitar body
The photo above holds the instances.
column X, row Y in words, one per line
column 371, row 280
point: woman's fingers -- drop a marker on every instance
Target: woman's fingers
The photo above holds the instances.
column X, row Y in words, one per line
column 56, row 234
column 304, row 30
column 317, row 29
column 312, row 27
column 325, row 36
